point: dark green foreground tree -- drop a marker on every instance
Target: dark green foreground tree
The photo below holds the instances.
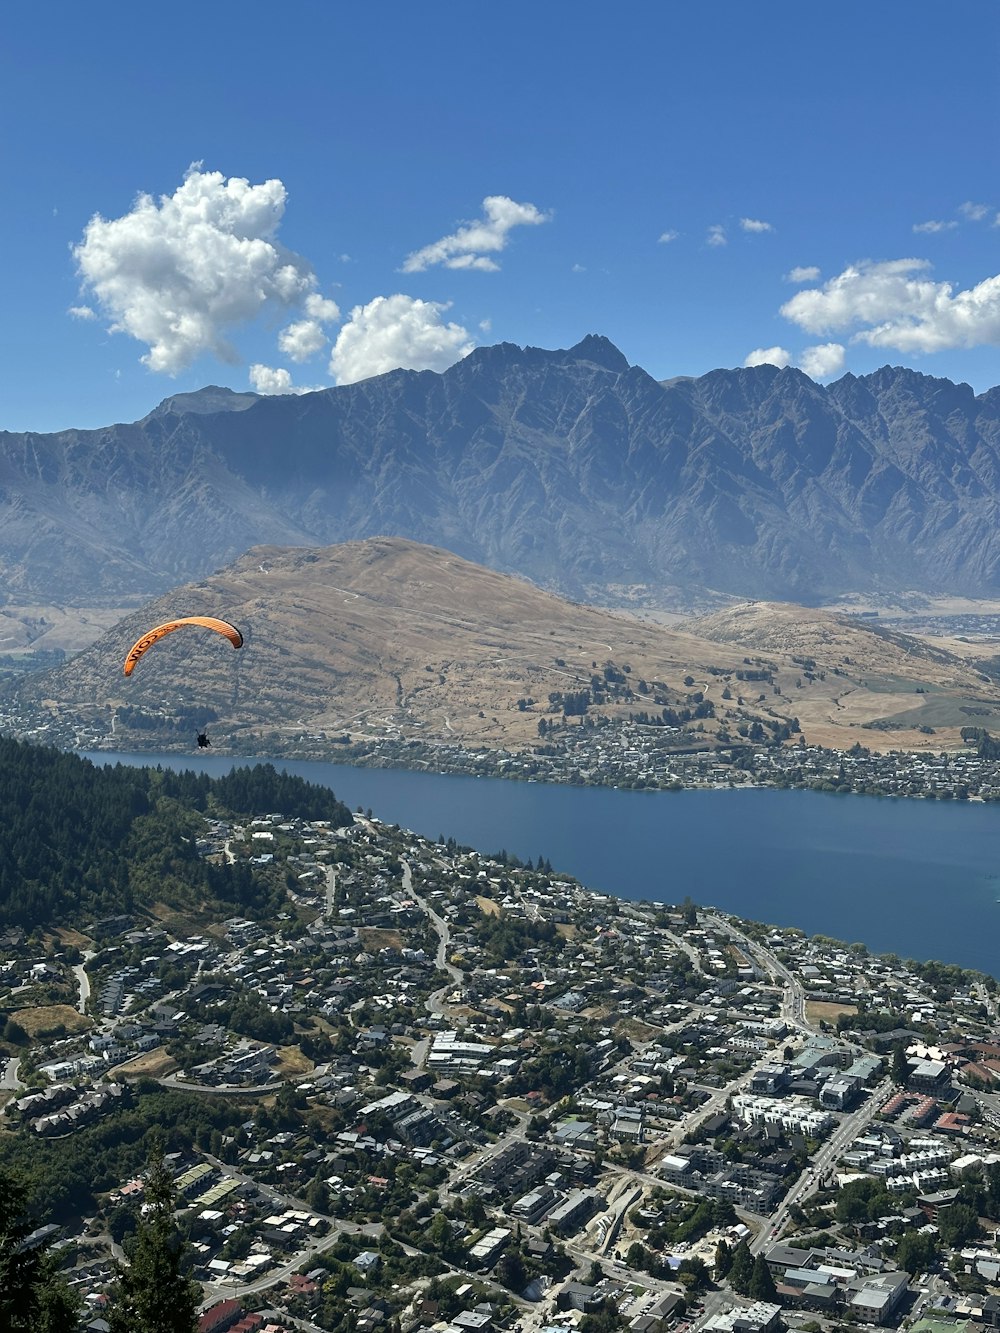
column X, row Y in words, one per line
column 34, row 1298
column 154, row 1294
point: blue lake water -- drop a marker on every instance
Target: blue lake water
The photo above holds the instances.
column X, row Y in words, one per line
column 917, row 878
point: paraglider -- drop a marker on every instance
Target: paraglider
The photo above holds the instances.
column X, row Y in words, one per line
column 203, row 742
column 152, row 636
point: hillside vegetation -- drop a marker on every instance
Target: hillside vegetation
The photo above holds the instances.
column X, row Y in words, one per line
column 82, row 841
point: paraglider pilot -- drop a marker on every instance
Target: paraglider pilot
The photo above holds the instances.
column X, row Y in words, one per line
column 203, row 741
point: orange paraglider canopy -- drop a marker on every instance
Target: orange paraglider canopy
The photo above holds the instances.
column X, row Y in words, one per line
column 151, row 636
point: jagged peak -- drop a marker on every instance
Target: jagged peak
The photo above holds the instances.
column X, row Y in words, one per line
column 601, row 351
column 594, row 348
column 212, row 398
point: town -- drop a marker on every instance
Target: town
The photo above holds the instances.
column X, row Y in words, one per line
column 637, row 756
column 446, row 1091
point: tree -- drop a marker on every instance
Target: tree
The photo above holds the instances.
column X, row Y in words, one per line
column 33, row 1296
column 762, row 1286
column 915, row 1252
column 741, row 1269
column 723, row 1260
column 154, row 1294
column 900, row 1067
column 511, row 1272
column 957, row 1225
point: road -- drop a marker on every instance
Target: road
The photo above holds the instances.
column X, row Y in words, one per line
column 793, row 1004
column 83, row 981
column 809, row 1182
column 440, row 925
column 435, row 1002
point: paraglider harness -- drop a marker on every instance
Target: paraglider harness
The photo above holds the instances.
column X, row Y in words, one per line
column 203, row 742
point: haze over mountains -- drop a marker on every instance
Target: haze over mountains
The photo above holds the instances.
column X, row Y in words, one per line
column 571, row 468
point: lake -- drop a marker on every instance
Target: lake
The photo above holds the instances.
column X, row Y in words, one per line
column 917, row 878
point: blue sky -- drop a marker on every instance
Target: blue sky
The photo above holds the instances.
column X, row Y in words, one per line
column 706, row 184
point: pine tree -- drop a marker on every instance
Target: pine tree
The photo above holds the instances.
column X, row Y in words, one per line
column 723, row 1260
column 741, row 1270
column 33, row 1296
column 761, row 1282
column 900, row 1066
column 154, row 1294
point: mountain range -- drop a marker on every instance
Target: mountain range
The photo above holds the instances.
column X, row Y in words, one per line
column 571, row 468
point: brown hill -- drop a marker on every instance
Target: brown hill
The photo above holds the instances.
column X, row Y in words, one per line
column 389, row 638
column 851, row 672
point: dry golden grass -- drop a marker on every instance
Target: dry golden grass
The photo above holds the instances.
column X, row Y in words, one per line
column 48, row 1016
column 72, row 938
column 373, row 939
column 487, row 906
column 151, row 1064
column 387, row 638
column 824, row 1010
column 292, row 1063
column 633, row 1028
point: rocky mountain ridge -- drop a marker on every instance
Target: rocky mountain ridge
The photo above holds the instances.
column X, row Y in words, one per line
column 570, row 468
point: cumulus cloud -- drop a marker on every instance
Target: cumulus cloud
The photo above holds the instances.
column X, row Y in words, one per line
column 276, row 379
column 394, row 332
column 895, row 304
column 932, row 226
column 305, row 337
column 716, row 235
column 270, row 379
column 823, row 361
column 755, row 225
column 803, row 273
column 180, row 272
column 82, row 312
column 474, row 242
column 769, row 356
column 667, row 236
column 302, row 339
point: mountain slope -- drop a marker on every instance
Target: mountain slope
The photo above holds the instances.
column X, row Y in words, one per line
column 387, row 639
column 571, row 468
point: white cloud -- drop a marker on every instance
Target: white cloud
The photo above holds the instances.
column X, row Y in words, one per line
column 768, row 356
column 180, row 272
column 931, row 227
column 305, row 337
column 578, row 268
column 270, row 379
column 974, row 212
column 755, row 225
column 82, row 312
column 893, row 304
column 823, row 361
column 276, row 379
column 302, row 339
column 474, row 242
column 322, row 308
column 667, row 236
column 485, row 325
column 716, row 235
column 395, row 332
column 804, row 273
